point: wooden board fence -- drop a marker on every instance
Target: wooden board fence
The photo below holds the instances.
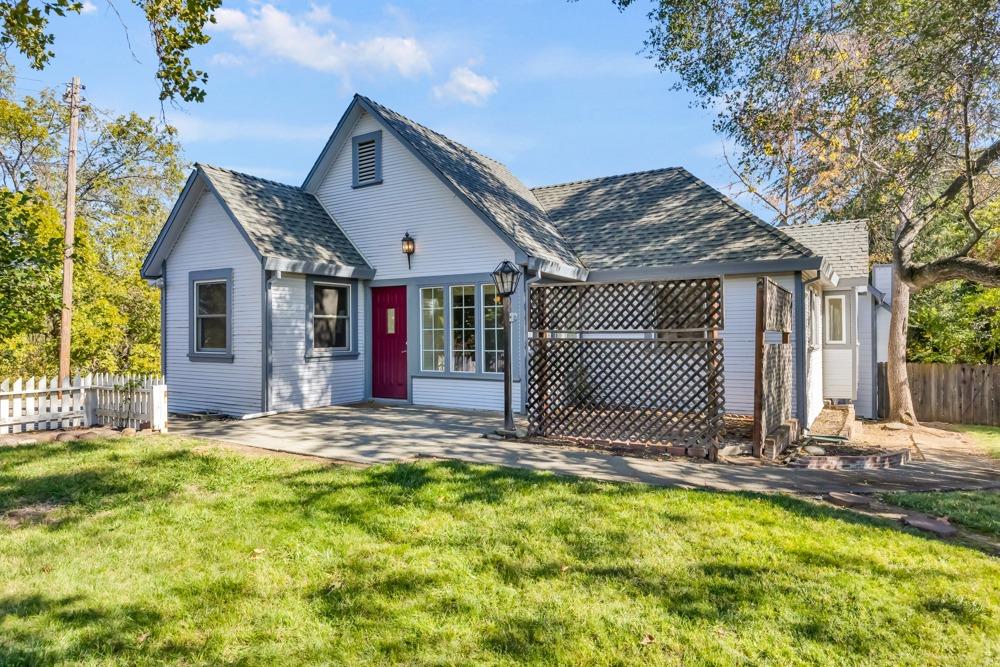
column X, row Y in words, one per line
column 773, row 427
column 40, row 404
column 953, row 393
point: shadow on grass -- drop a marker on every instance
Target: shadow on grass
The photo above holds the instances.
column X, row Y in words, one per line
column 84, row 631
column 391, row 592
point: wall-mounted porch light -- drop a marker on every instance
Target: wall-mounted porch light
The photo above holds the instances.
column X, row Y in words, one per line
column 409, row 246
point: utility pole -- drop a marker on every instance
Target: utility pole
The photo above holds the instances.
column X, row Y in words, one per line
column 66, row 324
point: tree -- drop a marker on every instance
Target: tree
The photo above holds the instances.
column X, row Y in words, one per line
column 129, row 169
column 175, row 27
column 887, row 106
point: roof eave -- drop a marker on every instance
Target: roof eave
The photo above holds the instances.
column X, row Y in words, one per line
column 330, row 269
column 707, row 269
column 557, row 269
column 152, row 265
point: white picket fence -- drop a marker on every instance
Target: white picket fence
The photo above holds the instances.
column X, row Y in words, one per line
column 41, row 404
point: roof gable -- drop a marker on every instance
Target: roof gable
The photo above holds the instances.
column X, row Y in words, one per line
column 286, row 227
column 485, row 185
column 660, row 218
column 844, row 243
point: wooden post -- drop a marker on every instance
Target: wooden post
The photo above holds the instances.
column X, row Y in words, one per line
column 758, row 369
column 66, row 323
column 508, row 408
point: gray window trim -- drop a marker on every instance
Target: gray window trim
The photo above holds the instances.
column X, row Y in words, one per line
column 377, row 137
column 352, row 324
column 211, row 275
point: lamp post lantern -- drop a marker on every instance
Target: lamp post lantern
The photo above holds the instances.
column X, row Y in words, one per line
column 506, row 277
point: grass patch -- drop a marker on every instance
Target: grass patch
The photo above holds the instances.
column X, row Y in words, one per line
column 141, row 551
column 976, row 510
column 987, row 437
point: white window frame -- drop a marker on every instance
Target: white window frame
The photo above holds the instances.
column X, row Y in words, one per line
column 444, row 327
column 485, row 303
column 452, row 329
column 829, row 320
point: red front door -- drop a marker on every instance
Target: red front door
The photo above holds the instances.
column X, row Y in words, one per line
column 389, row 342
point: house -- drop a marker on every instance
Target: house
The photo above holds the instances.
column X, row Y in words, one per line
column 278, row 297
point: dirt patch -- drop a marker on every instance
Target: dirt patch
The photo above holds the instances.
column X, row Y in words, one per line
column 31, row 515
column 831, row 421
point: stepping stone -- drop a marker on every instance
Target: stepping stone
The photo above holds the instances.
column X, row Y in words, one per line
column 936, row 526
column 815, row 450
column 849, row 499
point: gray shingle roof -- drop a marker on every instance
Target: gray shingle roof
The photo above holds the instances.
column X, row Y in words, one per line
column 843, row 243
column 283, row 220
column 664, row 217
column 488, row 185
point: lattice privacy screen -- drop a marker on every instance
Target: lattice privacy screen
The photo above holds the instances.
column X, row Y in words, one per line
column 633, row 362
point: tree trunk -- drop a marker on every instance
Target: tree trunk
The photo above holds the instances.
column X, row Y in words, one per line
column 900, row 399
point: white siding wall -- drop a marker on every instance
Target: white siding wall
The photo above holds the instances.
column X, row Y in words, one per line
column 814, row 361
column 211, row 241
column 739, row 295
column 840, row 363
column 863, row 405
column 450, row 238
column 298, row 383
column 465, row 394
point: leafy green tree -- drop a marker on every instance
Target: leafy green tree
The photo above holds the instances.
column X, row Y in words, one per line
column 175, row 26
column 887, row 105
column 129, row 169
column 30, row 261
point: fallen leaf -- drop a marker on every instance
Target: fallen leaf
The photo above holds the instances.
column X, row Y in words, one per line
column 142, row 639
column 564, row 568
column 647, row 640
column 257, row 553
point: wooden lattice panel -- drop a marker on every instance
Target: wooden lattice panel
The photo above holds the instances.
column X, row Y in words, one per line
column 626, row 390
column 635, row 362
column 669, row 305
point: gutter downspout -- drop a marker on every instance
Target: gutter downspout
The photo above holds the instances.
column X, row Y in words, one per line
column 524, row 356
column 801, row 401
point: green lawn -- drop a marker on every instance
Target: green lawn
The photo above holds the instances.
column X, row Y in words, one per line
column 988, row 437
column 977, row 510
column 157, row 550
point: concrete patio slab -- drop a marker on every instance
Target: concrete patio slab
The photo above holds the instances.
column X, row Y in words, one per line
column 369, row 434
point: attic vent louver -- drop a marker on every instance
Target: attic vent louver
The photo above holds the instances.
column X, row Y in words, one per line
column 367, row 159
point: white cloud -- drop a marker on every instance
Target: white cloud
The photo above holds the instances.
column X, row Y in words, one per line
column 226, row 59
column 466, row 86
column 269, row 31
column 88, row 7
column 193, row 129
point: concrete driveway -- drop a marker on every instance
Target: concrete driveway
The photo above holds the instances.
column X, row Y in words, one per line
column 368, row 434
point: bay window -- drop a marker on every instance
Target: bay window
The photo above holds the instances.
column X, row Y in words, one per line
column 432, row 329
column 493, row 337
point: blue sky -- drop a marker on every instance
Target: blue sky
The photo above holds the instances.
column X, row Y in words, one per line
column 556, row 90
